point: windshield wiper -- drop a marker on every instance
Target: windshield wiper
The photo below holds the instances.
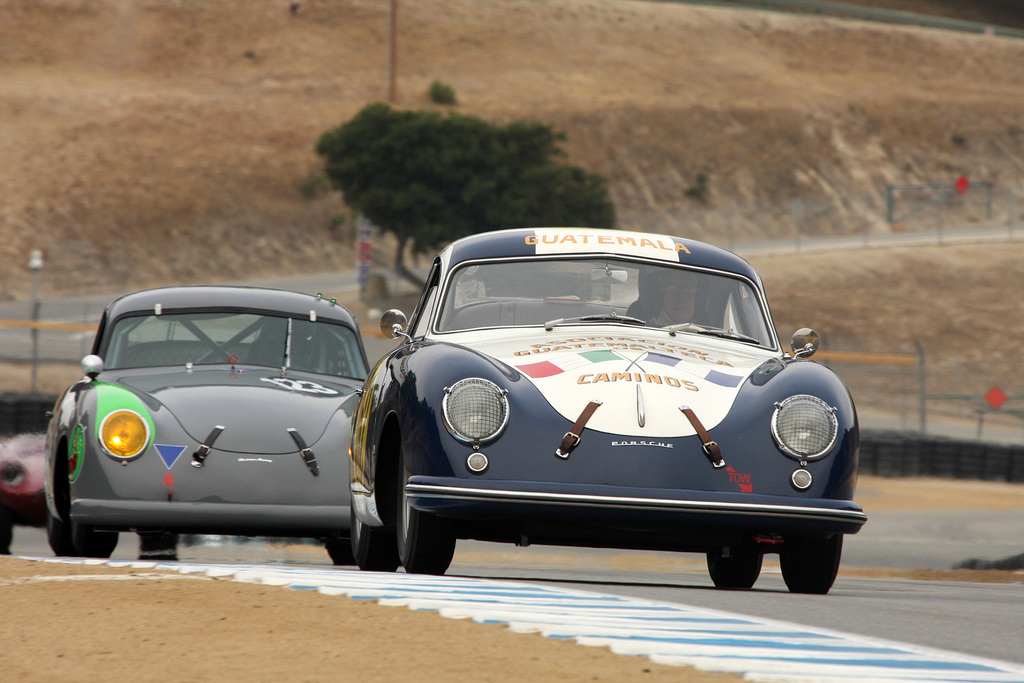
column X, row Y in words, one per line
column 712, row 331
column 612, row 317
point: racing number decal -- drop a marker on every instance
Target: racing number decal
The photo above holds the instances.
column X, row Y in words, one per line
column 300, row 385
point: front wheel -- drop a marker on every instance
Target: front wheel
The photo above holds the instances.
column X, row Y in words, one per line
column 89, row 542
column 737, row 570
column 373, row 549
column 810, row 565
column 6, row 530
column 339, row 550
column 159, row 546
column 426, row 543
column 58, row 533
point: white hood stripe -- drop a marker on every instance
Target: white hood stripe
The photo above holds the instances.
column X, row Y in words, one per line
column 567, row 362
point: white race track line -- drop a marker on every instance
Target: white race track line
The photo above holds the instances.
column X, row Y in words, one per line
column 759, row 649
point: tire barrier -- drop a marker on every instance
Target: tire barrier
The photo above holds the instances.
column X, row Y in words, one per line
column 903, row 454
column 24, row 413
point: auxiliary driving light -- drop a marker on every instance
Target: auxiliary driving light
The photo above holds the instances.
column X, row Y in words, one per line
column 477, row 463
column 124, row 434
column 801, row 479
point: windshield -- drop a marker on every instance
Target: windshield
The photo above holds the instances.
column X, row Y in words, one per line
column 560, row 291
column 245, row 338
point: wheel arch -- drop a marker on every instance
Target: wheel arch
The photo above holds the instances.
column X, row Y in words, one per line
column 60, row 500
column 386, row 472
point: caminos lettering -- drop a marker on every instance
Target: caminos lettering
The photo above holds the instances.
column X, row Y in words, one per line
column 667, row 380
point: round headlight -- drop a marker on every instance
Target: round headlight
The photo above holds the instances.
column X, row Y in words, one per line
column 804, row 427
column 124, row 434
column 475, row 410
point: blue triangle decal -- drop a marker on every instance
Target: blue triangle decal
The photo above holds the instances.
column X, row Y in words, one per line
column 169, row 454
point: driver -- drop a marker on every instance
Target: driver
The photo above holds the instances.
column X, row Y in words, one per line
column 678, row 291
column 667, row 297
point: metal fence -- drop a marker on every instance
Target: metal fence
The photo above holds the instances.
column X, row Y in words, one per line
column 845, row 11
column 903, row 392
column 928, row 213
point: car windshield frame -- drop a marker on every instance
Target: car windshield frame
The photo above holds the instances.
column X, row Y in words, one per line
column 236, row 336
column 547, row 291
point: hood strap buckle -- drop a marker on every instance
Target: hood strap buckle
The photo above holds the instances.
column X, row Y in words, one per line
column 711, row 448
column 204, row 448
column 572, row 437
column 307, row 455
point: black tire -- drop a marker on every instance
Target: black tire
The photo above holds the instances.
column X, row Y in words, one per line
column 738, row 571
column 58, row 530
column 58, row 534
column 91, row 543
column 340, row 551
column 161, row 546
column 810, row 565
column 426, row 543
column 6, row 530
column 373, row 549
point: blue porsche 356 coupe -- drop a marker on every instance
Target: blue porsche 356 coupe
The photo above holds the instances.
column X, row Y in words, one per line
column 599, row 388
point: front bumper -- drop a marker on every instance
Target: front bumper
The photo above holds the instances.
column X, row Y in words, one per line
column 627, row 516
column 212, row 518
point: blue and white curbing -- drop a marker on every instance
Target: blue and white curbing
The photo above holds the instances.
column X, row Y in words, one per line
column 759, row 649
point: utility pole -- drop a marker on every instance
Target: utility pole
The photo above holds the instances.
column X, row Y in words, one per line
column 393, row 48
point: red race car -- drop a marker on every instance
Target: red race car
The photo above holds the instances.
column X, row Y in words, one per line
column 22, row 499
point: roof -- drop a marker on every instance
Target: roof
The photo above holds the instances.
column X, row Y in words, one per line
column 229, row 297
column 579, row 241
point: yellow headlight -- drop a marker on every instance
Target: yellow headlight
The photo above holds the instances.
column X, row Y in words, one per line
column 124, row 433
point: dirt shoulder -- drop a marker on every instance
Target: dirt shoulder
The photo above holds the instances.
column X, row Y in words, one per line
column 88, row 623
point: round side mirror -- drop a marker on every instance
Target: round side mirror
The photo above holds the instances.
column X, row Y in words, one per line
column 392, row 323
column 92, row 365
column 805, row 343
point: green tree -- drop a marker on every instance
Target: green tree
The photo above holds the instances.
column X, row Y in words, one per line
column 429, row 178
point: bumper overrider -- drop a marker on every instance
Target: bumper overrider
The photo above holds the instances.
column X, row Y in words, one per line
column 667, row 512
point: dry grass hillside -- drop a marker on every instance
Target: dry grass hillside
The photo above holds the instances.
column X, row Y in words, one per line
column 157, row 141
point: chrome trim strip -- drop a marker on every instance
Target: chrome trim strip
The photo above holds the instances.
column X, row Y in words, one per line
column 650, row 504
column 641, row 418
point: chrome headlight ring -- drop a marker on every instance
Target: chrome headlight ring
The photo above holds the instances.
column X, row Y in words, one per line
column 805, row 427
column 475, row 410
